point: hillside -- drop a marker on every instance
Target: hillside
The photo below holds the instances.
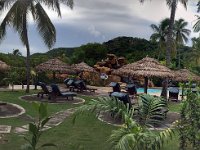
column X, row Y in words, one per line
column 132, row 48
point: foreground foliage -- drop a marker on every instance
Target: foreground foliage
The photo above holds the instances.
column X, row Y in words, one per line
column 131, row 135
column 188, row 127
column 36, row 128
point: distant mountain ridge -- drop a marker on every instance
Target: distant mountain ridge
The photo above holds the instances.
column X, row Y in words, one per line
column 129, row 47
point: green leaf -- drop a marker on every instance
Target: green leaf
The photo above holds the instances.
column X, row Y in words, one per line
column 36, row 106
column 42, row 111
column 45, row 121
column 32, row 128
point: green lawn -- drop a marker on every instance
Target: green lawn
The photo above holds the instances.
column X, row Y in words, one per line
column 88, row 133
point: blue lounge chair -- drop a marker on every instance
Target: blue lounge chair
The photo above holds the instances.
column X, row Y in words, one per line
column 57, row 93
column 81, row 86
column 124, row 97
column 173, row 93
column 45, row 90
column 131, row 89
column 116, row 86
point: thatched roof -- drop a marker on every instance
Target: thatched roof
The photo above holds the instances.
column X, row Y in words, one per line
column 84, row 67
column 3, row 66
column 183, row 75
column 147, row 67
column 55, row 65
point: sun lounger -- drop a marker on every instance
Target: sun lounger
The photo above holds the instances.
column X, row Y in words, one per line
column 45, row 90
column 131, row 89
column 57, row 93
column 82, row 87
column 173, row 93
column 124, row 97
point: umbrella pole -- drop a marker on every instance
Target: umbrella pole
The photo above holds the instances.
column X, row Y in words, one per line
column 54, row 76
column 182, row 96
column 145, row 84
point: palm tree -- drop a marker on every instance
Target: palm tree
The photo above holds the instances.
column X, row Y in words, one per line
column 181, row 35
column 172, row 5
column 17, row 17
column 16, row 52
column 160, row 34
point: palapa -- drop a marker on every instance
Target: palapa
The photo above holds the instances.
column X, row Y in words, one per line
column 55, row 65
column 184, row 75
column 147, row 67
column 84, row 67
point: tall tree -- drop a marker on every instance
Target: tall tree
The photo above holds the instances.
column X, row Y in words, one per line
column 16, row 52
column 17, row 17
column 181, row 35
column 160, row 34
column 172, row 5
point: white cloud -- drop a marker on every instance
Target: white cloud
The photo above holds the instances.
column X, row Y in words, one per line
column 101, row 20
column 92, row 30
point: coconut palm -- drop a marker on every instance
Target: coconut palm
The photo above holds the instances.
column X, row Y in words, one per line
column 194, row 56
column 172, row 5
column 17, row 17
column 160, row 34
column 181, row 35
column 16, row 52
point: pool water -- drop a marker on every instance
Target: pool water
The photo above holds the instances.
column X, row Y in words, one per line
column 149, row 90
column 152, row 90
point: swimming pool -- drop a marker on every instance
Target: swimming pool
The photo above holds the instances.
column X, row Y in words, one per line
column 149, row 90
column 152, row 90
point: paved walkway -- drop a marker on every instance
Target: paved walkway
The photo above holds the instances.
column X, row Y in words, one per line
column 55, row 120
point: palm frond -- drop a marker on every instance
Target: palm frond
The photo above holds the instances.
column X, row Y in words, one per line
column 45, row 27
column 55, row 4
column 150, row 110
column 105, row 104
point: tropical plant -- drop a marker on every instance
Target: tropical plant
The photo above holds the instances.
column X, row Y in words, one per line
column 181, row 35
column 104, row 104
column 172, row 5
column 160, row 34
column 131, row 135
column 193, row 56
column 36, row 128
column 16, row 52
column 12, row 78
column 17, row 17
column 188, row 126
column 151, row 110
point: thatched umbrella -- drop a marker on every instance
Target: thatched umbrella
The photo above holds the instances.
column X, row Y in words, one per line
column 4, row 66
column 184, row 75
column 84, row 67
column 147, row 67
column 55, row 65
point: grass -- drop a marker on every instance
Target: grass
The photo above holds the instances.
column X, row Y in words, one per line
column 88, row 133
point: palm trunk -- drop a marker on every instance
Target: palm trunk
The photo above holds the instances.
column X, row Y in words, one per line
column 28, row 70
column 170, row 33
column 169, row 43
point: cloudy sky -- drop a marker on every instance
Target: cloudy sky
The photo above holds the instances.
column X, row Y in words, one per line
column 99, row 21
